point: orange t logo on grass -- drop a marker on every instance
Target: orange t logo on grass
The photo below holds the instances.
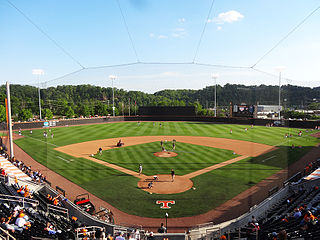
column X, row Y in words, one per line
column 165, row 203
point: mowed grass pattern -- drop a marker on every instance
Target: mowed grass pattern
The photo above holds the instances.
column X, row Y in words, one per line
column 190, row 158
column 266, row 135
column 212, row 188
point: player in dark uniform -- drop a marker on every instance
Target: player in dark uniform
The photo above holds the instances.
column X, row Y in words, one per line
column 172, row 174
column 173, row 144
column 100, row 151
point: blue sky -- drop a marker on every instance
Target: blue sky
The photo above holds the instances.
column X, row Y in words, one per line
column 93, row 32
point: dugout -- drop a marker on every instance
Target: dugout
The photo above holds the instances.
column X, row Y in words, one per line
column 167, row 111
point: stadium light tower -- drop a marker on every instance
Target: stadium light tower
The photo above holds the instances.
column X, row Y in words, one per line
column 215, row 76
column 38, row 72
column 112, row 77
column 280, row 69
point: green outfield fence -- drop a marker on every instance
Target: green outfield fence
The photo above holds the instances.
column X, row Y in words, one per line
column 96, row 120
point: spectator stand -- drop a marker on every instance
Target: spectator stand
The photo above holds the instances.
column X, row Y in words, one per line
column 273, row 207
column 12, row 170
column 83, row 216
column 19, row 200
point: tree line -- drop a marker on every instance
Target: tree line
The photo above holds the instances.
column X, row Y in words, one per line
column 88, row 100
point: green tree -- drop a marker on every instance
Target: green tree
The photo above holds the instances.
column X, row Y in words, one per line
column 47, row 113
column 100, row 109
column 84, row 110
column 68, row 112
column 25, row 114
column 314, row 106
column 3, row 116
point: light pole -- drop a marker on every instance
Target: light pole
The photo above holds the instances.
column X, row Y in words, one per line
column 112, row 77
column 38, row 72
column 280, row 69
column 215, row 76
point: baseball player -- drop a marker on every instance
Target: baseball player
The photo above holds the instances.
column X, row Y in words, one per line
column 172, row 174
column 140, row 169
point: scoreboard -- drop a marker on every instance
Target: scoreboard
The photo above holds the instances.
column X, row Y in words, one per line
column 243, row 110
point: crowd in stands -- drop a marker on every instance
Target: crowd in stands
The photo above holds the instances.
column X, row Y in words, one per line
column 295, row 217
column 36, row 175
column 30, row 219
column 309, row 168
column 24, row 190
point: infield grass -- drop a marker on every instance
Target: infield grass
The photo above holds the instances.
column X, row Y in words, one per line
column 190, row 158
column 212, row 188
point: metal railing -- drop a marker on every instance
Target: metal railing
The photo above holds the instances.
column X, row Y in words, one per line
column 18, row 199
column 54, row 208
column 7, row 235
column 89, row 231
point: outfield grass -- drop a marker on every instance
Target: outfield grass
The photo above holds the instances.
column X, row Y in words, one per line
column 212, row 188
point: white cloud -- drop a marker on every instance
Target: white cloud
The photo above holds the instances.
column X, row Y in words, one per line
column 227, row 17
column 219, row 28
column 181, row 20
column 151, row 35
column 162, row 36
column 179, row 33
column 180, row 29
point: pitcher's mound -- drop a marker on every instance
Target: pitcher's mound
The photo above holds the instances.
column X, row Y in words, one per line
column 165, row 154
column 164, row 184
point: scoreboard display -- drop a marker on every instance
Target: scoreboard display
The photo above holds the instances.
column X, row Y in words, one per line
column 243, row 111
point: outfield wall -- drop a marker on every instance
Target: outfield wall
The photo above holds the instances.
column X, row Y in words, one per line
column 62, row 122
column 97, row 120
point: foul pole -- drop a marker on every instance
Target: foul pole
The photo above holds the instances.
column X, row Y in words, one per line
column 9, row 120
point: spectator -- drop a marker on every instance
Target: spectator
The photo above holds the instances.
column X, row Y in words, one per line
column 109, row 237
column 282, row 235
column 50, row 229
column 253, row 220
column 162, row 229
column 150, row 237
column 6, row 225
column 21, row 221
column 120, row 237
column 297, row 213
column 136, row 234
column 307, row 220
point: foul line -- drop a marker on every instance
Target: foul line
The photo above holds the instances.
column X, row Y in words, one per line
column 216, row 166
column 293, row 137
column 41, row 141
column 68, row 161
column 268, row 158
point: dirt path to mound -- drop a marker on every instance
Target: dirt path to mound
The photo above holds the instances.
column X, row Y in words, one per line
column 227, row 211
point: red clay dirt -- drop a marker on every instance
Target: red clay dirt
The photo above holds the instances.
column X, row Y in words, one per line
column 227, row 211
column 165, row 154
column 165, row 185
column 87, row 149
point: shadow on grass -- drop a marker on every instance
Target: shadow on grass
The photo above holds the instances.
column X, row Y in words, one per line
column 282, row 157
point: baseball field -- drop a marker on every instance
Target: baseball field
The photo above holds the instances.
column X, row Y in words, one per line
column 212, row 164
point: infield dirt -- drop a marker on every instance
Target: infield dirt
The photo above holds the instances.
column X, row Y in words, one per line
column 164, row 185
